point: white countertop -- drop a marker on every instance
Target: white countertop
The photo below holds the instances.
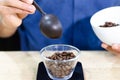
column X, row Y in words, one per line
column 97, row 65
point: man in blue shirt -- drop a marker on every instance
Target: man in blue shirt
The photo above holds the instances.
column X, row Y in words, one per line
column 74, row 15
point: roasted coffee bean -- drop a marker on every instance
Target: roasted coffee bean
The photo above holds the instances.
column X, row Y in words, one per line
column 62, row 56
column 109, row 24
column 60, row 69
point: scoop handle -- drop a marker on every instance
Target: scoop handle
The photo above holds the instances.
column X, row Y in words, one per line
column 39, row 8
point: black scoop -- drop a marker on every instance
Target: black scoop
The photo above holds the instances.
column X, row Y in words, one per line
column 50, row 26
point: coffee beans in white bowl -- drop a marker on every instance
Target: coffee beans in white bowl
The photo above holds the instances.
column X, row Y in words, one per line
column 106, row 25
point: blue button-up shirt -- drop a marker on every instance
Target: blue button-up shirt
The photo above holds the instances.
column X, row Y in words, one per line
column 75, row 18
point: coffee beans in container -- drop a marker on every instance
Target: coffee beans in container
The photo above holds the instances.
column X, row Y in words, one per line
column 60, row 60
column 109, row 24
column 62, row 56
column 60, row 68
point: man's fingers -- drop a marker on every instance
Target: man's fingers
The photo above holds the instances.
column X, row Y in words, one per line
column 110, row 49
column 116, row 47
column 105, row 46
column 27, row 1
column 21, row 16
column 20, row 5
column 13, row 10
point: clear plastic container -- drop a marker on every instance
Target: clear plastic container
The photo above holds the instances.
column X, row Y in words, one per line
column 59, row 69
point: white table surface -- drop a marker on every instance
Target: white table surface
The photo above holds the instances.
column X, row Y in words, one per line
column 97, row 65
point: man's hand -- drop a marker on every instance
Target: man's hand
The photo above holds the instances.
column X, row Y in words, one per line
column 115, row 48
column 11, row 14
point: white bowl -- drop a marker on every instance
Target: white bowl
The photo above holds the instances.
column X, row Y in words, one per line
column 108, row 35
